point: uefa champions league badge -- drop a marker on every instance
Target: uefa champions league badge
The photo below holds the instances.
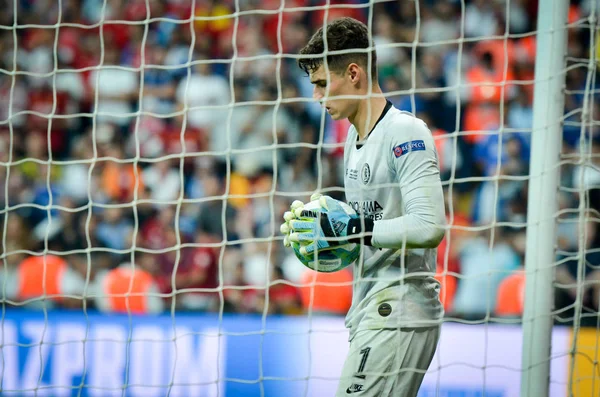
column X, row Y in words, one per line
column 407, row 147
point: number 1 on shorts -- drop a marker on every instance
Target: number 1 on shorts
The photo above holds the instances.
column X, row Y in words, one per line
column 363, row 362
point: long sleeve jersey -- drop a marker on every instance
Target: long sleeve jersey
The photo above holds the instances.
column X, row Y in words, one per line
column 393, row 178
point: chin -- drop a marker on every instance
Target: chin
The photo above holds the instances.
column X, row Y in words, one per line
column 335, row 115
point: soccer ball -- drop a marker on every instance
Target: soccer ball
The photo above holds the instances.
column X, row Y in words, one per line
column 330, row 260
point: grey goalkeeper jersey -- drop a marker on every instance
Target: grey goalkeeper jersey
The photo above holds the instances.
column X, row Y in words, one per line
column 393, row 178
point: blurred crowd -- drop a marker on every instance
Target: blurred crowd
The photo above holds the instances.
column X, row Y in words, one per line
column 151, row 155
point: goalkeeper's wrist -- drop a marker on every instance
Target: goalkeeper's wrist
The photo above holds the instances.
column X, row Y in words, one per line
column 355, row 228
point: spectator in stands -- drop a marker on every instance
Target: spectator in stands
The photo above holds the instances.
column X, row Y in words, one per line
column 13, row 92
column 159, row 83
column 283, row 298
column 75, row 181
column 116, row 90
column 457, row 236
column 163, row 179
column 216, row 217
column 198, row 274
column 326, row 293
column 86, row 56
column 35, row 148
column 520, row 115
column 66, row 236
column 40, row 179
column 15, row 238
column 487, row 90
column 128, row 288
column 573, row 271
column 87, row 231
column 480, row 19
column 72, row 85
column 130, row 44
column 405, row 15
column 114, row 230
column 493, row 203
column 239, row 296
column 45, row 101
column 468, row 80
column 439, row 24
column 450, row 157
column 298, row 165
column 121, row 181
column 159, row 136
column 256, row 127
column 575, row 80
column 153, row 231
column 204, row 97
column 510, row 299
column 485, row 261
column 178, row 52
column 46, row 282
column 37, row 56
column 586, row 177
column 431, row 79
column 384, row 38
column 251, row 44
column 259, row 264
column 189, row 275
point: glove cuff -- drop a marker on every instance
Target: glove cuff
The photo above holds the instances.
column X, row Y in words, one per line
column 355, row 226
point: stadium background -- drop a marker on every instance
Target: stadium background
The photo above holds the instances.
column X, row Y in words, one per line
column 116, row 180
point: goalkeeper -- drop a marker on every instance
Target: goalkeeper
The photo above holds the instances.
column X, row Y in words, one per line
column 392, row 181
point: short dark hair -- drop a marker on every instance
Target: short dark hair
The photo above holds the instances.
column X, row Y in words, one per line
column 342, row 34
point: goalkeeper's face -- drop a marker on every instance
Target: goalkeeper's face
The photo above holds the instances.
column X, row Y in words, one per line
column 332, row 89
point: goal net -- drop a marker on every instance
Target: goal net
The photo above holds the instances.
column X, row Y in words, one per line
column 149, row 148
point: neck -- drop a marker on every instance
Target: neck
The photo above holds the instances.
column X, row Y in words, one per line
column 368, row 113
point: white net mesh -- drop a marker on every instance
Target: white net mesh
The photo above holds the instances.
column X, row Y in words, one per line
column 149, row 148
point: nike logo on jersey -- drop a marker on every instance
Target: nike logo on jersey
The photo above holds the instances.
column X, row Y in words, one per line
column 407, row 147
column 354, row 388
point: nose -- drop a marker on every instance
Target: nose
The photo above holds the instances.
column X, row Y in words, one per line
column 318, row 94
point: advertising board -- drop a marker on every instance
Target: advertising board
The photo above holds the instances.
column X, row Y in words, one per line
column 68, row 354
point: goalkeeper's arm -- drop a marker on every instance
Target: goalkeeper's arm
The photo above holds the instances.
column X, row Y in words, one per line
column 422, row 226
column 417, row 173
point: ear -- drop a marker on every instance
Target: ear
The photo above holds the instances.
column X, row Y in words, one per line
column 354, row 73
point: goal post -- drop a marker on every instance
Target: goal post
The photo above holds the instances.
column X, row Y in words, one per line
column 542, row 207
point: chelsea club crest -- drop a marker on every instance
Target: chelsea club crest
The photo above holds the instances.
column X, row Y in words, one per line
column 365, row 173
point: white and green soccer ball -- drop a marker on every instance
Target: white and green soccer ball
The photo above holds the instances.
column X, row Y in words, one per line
column 331, row 259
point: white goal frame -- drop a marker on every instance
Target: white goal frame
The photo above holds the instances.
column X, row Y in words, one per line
column 542, row 202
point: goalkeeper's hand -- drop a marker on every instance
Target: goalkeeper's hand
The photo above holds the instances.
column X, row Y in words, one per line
column 288, row 216
column 320, row 231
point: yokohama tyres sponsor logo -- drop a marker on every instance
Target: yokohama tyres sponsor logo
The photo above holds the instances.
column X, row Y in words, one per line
column 368, row 207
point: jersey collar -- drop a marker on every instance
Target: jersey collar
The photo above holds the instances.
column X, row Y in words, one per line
column 388, row 106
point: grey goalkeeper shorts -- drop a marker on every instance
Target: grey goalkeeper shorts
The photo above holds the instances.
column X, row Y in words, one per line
column 386, row 363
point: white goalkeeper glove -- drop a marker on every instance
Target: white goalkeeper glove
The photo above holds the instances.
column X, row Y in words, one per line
column 321, row 230
column 288, row 216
